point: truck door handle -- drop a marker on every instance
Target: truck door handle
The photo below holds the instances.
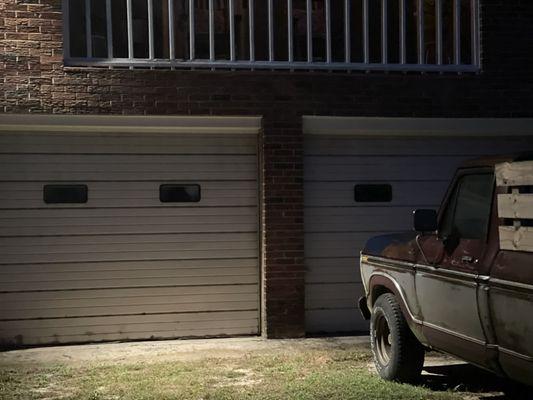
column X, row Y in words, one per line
column 468, row 259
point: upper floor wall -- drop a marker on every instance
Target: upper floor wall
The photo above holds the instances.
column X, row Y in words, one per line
column 317, row 78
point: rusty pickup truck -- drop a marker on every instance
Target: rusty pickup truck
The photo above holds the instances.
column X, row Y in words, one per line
column 462, row 281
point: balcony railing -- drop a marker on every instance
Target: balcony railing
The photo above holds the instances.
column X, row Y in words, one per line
column 367, row 35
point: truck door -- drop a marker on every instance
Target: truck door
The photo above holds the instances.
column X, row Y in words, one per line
column 450, row 263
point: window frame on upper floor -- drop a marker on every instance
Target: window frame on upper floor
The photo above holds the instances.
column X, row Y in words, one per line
column 331, row 35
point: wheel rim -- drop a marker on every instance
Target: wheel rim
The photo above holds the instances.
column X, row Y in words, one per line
column 383, row 340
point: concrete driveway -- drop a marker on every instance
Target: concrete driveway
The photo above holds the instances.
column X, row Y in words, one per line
column 180, row 350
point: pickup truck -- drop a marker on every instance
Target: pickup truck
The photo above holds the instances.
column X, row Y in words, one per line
column 462, row 281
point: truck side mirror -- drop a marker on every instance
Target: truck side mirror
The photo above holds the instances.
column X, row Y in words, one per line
column 425, row 220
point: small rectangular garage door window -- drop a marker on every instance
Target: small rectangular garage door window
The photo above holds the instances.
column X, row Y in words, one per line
column 65, row 194
column 372, row 193
column 179, row 193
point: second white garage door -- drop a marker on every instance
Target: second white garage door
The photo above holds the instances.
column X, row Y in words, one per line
column 408, row 164
column 142, row 231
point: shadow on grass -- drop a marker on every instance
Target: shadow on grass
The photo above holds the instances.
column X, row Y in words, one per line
column 463, row 377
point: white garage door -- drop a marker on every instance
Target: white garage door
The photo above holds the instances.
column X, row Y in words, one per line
column 128, row 232
column 354, row 152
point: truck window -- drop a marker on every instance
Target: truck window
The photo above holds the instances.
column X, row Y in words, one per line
column 468, row 211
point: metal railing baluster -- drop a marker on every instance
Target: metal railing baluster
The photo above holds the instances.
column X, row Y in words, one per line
column 384, row 32
column 347, row 32
column 231, row 10
column 328, row 30
column 309, row 23
column 150, row 5
column 290, row 32
column 192, row 31
column 88, row 29
column 420, row 31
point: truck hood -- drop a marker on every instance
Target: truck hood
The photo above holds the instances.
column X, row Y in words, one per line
column 397, row 246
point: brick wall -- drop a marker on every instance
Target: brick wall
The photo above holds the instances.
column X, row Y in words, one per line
column 33, row 79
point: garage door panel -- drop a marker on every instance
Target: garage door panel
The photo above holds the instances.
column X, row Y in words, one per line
column 338, row 320
column 124, row 265
column 61, row 148
column 90, row 216
column 357, row 161
column 134, row 308
column 68, row 330
column 107, row 143
column 341, row 194
column 126, row 197
column 120, row 279
column 120, row 203
column 105, row 162
column 158, row 239
column 371, row 174
column 233, row 173
column 141, row 305
column 189, row 294
column 140, row 331
column 354, row 211
column 139, row 324
column 375, row 168
column 144, row 332
column 154, row 273
column 326, row 145
column 209, row 248
column 332, row 270
column 235, row 201
column 151, row 195
column 230, row 164
column 97, row 192
column 387, row 219
column 341, row 250
column 130, row 229
column 218, row 187
column 126, row 256
column 124, row 204
column 340, row 244
column 90, row 222
column 132, row 323
column 147, row 266
column 104, row 282
column 90, row 213
column 332, row 296
column 325, row 264
column 94, row 322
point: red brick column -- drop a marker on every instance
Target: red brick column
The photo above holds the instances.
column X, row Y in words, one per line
column 283, row 311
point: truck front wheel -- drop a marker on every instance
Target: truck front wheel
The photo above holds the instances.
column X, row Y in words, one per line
column 398, row 355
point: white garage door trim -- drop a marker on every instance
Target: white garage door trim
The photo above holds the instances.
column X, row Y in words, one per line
column 408, row 155
column 53, row 142
column 153, row 124
column 413, row 127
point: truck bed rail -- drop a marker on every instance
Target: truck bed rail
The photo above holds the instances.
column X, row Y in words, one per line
column 515, row 208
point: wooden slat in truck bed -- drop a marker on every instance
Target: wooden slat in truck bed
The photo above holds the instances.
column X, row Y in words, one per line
column 515, row 208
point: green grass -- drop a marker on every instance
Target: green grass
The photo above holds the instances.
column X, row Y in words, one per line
column 316, row 374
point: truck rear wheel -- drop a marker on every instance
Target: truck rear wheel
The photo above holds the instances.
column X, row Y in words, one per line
column 398, row 355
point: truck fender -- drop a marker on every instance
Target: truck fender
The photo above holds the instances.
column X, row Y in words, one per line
column 380, row 283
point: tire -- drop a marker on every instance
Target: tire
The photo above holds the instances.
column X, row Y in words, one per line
column 398, row 355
